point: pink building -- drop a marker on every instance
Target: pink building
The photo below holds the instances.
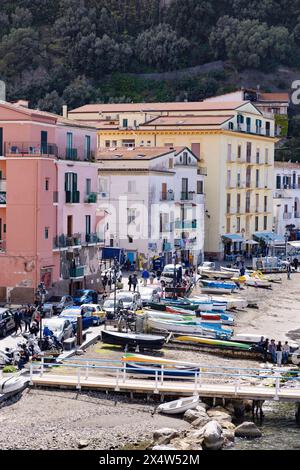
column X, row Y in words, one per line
column 48, row 201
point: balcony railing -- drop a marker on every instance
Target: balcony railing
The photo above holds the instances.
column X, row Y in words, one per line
column 71, row 154
column 186, row 224
column 287, row 215
column 187, row 196
column 297, row 215
column 65, row 241
column 76, row 272
column 90, row 198
column 72, row 197
column 167, row 196
column 92, row 238
column 2, row 246
column 30, row 149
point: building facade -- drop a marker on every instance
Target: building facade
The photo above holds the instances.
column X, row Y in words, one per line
column 234, row 141
column 48, row 204
column 286, row 202
column 154, row 201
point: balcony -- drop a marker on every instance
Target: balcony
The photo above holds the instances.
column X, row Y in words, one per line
column 2, row 198
column 2, row 246
column 30, row 149
column 92, row 238
column 188, row 196
column 167, row 196
column 72, row 197
column 77, row 272
column 186, row 224
column 71, row 154
column 66, row 241
column 90, row 198
column 167, row 228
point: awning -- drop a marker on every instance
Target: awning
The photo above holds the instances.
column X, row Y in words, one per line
column 233, row 237
column 295, row 244
column 250, row 242
column 269, row 237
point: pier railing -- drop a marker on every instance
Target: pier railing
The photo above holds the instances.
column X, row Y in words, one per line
column 235, row 381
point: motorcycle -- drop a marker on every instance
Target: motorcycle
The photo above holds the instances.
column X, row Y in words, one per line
column 9, row 357
column 51, row 344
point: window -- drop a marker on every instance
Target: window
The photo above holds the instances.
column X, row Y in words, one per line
column 131, row 216
column 267, row 156
column 265, row 203
column 268, row 128
column 256, row 223
column 257, row 178
column 114, row 143
column 171, row 163
column 228, row 226
column 103, row 185
column 231, row 126
column 88, row 225
column 88, row 186
column 199, row 187
column 256, row 202
column 238, row 224
column 4, row 228
column 229, row 152
column 46, row 233
column 238, row 180
column 228, row 178
column 278, row 182
column 107, row 143
column 47, row 184
column 248, row 124
column 69, row 149
column 258, row 126
column 184, row 158
column 257, row 155
column 248, row 201
column 238, row 203
column 228, row 203
column 265, row 222
column 125, row 123
column 239, row 151
column 128, row 143
column 87, row 147
column 132, row 186
column 248, row 152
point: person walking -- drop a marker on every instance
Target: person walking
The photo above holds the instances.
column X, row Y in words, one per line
column 129, row 282
column 18, row 321
column 296, row 264
column 279, row 353
column 134, row 281
column 104, row 281
column 289, row 270
column 152, row 277
column 285, row 352
column 272, row 350
column 27, row 317
column 145, row 276
column 265, row 349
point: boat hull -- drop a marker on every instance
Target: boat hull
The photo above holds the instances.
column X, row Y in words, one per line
column 133, row 340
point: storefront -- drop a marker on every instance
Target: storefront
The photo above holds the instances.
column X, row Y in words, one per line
column 233, row 245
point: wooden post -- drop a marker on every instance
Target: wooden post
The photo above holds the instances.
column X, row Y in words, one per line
column 79, row 331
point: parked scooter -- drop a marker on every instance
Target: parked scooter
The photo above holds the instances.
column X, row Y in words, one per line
column 9, row 357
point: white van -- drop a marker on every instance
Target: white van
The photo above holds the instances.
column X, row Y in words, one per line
column 167, row 277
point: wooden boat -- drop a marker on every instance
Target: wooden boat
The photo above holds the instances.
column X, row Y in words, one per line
column 163, row 305
column 218, row 287
column 206, row 317
column 257, row 282
column 203, row 329
column 228, row 344
column 213, row 274
column 12, row 385
column 179, row 406
column 133, row 340
column 150, row 365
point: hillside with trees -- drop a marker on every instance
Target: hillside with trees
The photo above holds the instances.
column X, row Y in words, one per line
column 77, row 51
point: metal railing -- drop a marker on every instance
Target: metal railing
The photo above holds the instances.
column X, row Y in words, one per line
column 72, row 197
column 71, row 154
column 185, row 224
column 76, row 271
column 167, row 196
column 236, row 380
column 32, row 149
column 65, row 241
column 187, row 196
column 90, row 198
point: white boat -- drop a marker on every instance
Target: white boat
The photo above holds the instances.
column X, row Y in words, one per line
column 213, row 274
column 218, row 287
column 231, row 301
column 179, row 406
column 12, row 385
column 214, row 305
column 205, row 328
column 257, row 282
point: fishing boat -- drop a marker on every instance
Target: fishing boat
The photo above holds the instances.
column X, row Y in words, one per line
column 218, row 287
column 133, row 340
column 204, row 329
column 179, row 406
column 12, row 385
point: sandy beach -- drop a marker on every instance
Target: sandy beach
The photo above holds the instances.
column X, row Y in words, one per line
column 52, row 419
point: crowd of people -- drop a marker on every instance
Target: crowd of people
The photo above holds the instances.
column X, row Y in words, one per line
column 28, row 317
column 279, row 352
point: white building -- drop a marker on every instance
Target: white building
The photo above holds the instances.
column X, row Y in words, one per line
column 153, row 198
column 286, row 202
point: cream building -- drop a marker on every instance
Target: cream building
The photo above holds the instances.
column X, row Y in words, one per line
column 233, row 140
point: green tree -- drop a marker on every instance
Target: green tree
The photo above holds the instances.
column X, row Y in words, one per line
column 51, row 102
column 161, row 48
column 79, row 92
column 21, row 18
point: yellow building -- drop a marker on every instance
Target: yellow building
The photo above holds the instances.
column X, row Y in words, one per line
column 234, row 142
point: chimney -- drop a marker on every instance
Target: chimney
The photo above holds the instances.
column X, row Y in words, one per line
column 65, row 111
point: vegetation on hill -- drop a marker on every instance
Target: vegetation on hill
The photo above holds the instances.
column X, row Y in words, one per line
column 76, row 51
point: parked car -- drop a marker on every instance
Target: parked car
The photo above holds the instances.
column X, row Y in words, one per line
column 150, row 294
column 85, row 296
column 167, row 276
column 62, row 328
column 108, row 307
column 56, row 304
column 7, row 322
column 72, row 313
column 96, row 310
column 131, row 300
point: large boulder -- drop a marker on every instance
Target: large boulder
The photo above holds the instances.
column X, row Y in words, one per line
column 186, row 444
column 248, row 430
column 202, row 406
column 164, row 435
column 212, row 436
column 219, row 416
column 227, row 425
column 192, row 415
column 200, row 422
column 228, row 437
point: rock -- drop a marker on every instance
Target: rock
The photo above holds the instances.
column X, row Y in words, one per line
column 212, row 436
column 227, row 425
column 200, row 422
column 164, row 435
column 192, row 415
column 186, row 444
column 202, row 406
column 230, row 409
column 219, row 416
column 247, row 429
column 218, row 408
column 81, row 444
column 228, row 436
column 247, row 405
column 157, row 447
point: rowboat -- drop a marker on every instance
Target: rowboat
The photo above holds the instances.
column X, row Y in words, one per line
column 179, row 406
column 213, row 274
column 133, row 340
column 12, row 385
column 204, row 329
column 222, row 318
column 218, row 287
column 163, row 305
column 158, row 365
column 257, row 282
column 214, row 342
